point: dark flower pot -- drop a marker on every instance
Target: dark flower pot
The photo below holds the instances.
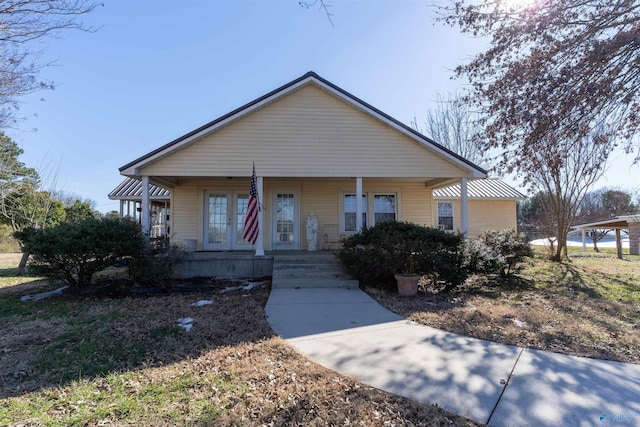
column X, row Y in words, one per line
column 407, row 284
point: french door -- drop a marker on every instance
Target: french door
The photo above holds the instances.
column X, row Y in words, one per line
column 224, row 214
column 285, row 224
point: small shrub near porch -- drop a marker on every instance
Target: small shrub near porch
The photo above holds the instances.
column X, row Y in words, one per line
column 375, row 254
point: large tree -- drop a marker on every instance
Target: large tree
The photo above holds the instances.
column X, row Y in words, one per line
column 23, row 203
column 564, row 171
column 553, row 71
column 21, row 23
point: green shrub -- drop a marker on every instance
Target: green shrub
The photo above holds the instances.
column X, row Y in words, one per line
column 153, row 267
column 479, row 258
column 496, row 251
column 375, row 254
column 73, row 252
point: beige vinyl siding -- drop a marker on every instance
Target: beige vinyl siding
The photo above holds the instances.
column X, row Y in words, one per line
column 416, row 203
column 323, row 197
column 486, row 214
column 184, row 213
column 308, row 133
column 483, row 214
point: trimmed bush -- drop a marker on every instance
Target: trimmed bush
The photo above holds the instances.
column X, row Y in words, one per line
column 479, row 258
column 72, row 252
column 496, row 251
column 375, row 254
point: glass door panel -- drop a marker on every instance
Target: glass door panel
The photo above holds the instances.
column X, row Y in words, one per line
column 242, row 204
column 217, row 221
column 285, row 222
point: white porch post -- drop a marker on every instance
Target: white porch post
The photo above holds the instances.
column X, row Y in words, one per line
column 260, row 240
column 145, row 211
column 121, row 208
column 584, row 240
column 358, row 204
column 464, row 207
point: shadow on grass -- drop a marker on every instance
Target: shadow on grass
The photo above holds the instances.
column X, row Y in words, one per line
column 574, row 279
column 53, row 342
column 595, row 284
column 8, row 272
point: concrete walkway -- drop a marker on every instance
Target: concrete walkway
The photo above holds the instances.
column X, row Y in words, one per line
column 346, row 330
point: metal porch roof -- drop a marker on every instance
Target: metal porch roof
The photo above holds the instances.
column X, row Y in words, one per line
column 131, row 189
column 489, row 188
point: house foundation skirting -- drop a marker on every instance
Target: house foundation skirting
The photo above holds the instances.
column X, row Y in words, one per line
column 223, row 265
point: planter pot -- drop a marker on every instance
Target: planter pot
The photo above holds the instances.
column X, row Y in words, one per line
column 407, row 284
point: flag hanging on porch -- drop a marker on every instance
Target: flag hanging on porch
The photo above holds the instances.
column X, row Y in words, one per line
column 250, row 233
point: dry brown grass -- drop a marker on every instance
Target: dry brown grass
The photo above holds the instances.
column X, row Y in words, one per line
column 589, row 307
column 96, row 361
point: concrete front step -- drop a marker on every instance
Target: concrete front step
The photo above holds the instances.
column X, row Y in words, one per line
column 302, row 274
column 293, row 268
column 308, row 283
column 310, row 270
column 318, row 257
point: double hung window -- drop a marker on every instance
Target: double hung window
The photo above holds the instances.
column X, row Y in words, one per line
column 445, row 216
column 376, row 208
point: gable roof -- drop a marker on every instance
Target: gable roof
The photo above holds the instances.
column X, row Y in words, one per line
column 489, row 188
column 133, row 167
column 131, row 189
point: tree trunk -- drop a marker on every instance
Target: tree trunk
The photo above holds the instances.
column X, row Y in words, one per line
column 22, row 267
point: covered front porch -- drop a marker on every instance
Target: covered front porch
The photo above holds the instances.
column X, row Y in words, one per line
column 208, row 213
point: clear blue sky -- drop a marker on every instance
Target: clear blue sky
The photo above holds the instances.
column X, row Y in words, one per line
column 155, row 70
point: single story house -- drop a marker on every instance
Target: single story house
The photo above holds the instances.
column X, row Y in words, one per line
column 317, row 149
column 493, row 204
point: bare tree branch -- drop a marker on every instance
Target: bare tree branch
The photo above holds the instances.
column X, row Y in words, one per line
column 554, row 71
column 453, row 124
column 21, row 23
column 322, row 4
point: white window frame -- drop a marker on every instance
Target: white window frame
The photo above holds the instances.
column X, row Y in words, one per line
column 373, row 201
column 453, row 215
column 369, row 211
column 343, row 222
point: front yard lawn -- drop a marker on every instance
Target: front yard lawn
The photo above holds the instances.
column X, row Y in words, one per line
column 107, row 361
column 587, row 307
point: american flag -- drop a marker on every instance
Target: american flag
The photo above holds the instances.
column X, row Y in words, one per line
column 250, row 233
